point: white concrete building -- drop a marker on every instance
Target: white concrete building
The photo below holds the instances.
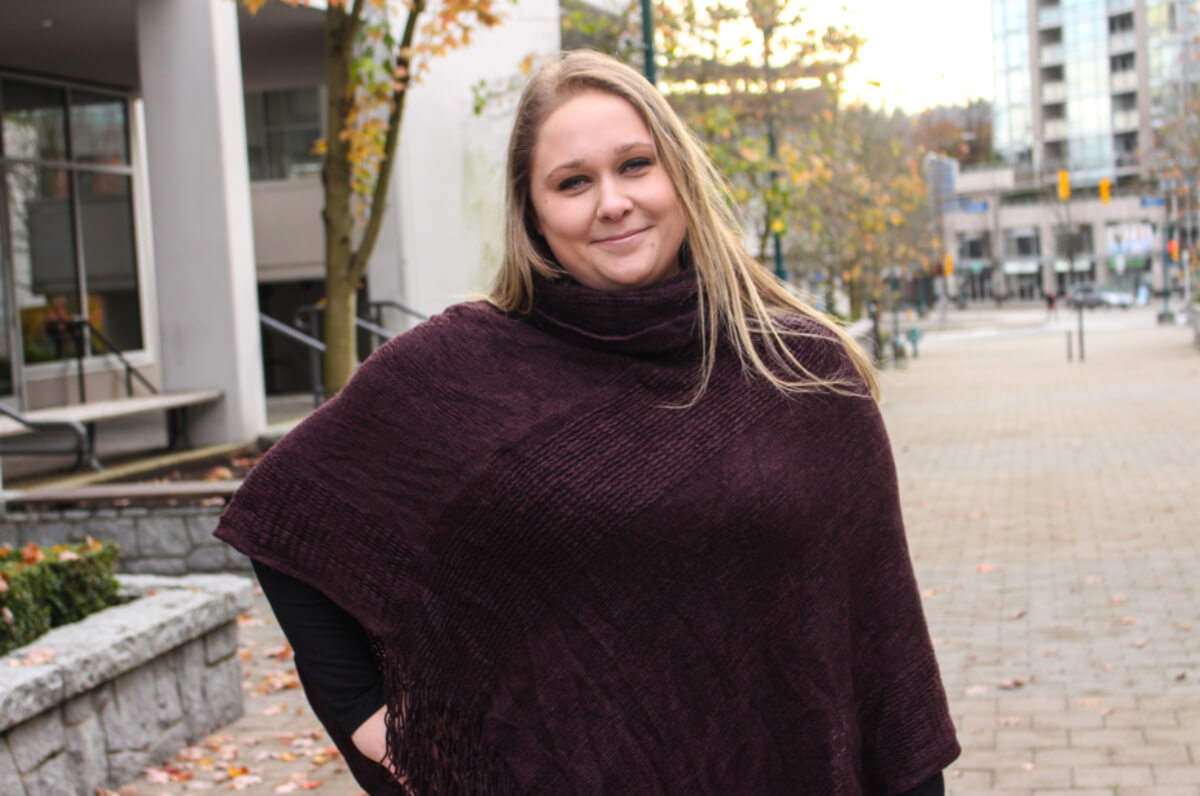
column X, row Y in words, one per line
column 157, row 179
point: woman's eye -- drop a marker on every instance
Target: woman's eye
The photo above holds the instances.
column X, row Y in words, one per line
column 571, row 183
column 636, row 164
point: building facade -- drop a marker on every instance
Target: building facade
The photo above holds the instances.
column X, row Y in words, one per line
column 158, row 179
column 1085, row 87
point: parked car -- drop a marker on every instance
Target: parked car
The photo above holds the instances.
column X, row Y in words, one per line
column 1089, row 295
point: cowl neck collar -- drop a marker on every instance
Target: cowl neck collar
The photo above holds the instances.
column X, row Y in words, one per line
column 658, row 319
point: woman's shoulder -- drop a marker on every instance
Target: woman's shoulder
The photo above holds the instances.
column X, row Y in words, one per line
column 463, row 327
column 818, row 345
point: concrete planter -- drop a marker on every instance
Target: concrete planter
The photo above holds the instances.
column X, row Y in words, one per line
column 126, row 688
column 160, row 540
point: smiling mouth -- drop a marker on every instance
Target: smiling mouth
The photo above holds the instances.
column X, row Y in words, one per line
column 624, row 237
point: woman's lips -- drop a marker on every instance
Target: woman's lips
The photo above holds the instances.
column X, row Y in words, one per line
column 624, row 239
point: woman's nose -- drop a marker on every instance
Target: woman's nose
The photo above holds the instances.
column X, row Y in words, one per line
column 614, row 201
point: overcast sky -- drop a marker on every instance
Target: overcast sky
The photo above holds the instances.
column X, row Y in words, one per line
column 922, row 52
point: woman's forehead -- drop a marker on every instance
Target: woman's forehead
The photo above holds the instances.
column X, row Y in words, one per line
column 591, row 124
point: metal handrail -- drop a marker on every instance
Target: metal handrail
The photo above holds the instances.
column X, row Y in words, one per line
column 288, row 331
column 305, row 317
column 74, row 328
column 130, row 372
column 81, row 448
column 375, row 329
column 396, row 305
column 315, row 349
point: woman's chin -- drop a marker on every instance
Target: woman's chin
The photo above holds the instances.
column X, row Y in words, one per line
column 634, row 277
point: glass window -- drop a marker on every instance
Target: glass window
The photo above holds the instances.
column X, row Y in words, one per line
column 68, row 185
column 110, row 265
column 292, row 107
column 281, row 129
column 43, row 258
column 1021, row 242
column 98, row 129
column 289, row 154
column 34, row 121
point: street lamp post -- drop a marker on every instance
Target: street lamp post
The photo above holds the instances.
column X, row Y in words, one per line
column 648, row 41
column 772, row 143
column 1166, row 266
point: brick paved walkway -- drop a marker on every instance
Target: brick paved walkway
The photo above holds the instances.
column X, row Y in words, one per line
column 1054, row 515
column 1053, row 511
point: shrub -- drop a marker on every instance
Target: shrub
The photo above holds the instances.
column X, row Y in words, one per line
column 41, row 589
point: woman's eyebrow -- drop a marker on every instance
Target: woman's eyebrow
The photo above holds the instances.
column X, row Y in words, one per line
column 579, row 162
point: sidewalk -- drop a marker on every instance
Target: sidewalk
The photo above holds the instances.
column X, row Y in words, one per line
column 1054, row 517
column 1053, row 511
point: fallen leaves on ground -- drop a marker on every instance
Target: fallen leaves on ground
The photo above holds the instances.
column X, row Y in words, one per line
column 38, row 656
column 279, row 680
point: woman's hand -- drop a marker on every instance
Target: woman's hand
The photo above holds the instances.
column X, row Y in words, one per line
column 371, row 737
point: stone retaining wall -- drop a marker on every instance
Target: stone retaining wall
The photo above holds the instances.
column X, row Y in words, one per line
column 127, row 687
column 158, row 541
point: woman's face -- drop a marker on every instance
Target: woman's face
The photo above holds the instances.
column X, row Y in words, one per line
column 603, row 201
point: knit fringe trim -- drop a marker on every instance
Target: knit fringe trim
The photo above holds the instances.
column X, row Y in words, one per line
column 435, row 745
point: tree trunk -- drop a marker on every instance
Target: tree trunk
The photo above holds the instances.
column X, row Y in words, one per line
column 340, row 350
column 341, row 346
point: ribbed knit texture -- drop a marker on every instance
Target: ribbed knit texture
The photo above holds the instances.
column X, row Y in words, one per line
column 580, row 588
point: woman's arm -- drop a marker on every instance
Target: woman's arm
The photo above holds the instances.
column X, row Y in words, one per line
column 334, row 653
column 371, row 737
column 932, row 787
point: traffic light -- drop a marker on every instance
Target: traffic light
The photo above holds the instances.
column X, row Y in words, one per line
column 1064, row 185
column 1105, row 190
column 949, row 270
column 1173, row 249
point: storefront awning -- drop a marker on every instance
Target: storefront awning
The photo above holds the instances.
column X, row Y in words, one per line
column 1021, row 266
column 1061, row 265
column 1130, row 264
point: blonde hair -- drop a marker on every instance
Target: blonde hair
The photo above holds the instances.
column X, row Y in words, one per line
column 737, row 294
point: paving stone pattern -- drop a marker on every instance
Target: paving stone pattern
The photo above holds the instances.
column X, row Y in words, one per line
column 1053, row 512
column 1054, row 516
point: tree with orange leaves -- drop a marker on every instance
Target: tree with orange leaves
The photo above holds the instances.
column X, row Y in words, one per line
column 375, row 50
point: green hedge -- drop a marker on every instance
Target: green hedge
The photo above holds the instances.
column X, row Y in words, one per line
column 41, row 589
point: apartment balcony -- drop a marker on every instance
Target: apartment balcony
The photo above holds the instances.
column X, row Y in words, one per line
column 1120, row 5
column 1125, row 121
column 1054, row 129
column 1051, row 55
column 1050, row 17
column 1124, row 82
column 1054, row 93
column 1123, row 42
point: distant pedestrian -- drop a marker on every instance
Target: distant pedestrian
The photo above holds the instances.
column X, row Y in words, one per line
column 630, row 526
column 1051, row 305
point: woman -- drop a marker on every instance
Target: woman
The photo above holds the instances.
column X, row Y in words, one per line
column 631, row 526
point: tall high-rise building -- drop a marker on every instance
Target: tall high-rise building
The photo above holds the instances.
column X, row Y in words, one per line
column 1083, row 85
column 1100, row 90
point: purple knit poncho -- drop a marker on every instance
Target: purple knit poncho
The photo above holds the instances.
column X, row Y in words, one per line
column 579, row 588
